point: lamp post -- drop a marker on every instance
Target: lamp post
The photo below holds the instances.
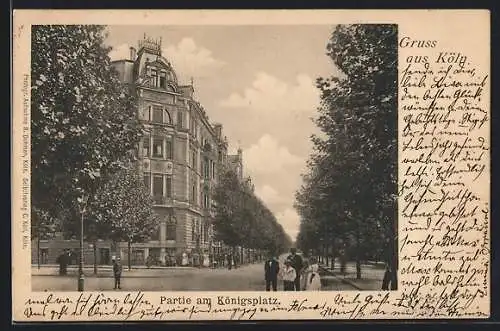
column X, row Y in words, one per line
column 82, row 204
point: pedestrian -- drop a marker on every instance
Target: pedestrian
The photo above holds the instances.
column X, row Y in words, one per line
column 298, row 265
column 390, row 280
column 117, row 272
column 312, row 277
column 271, row 271
column 229, row 261
column 288, row 275
column 62, row 260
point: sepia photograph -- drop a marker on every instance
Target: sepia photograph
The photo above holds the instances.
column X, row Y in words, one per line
column 177, row 165
column 214, row 158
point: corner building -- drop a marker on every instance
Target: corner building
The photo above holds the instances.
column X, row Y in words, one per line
column 180, row 157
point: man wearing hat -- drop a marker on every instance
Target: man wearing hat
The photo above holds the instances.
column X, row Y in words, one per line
column 117, row 271
column 298, row 265
column 271, row 270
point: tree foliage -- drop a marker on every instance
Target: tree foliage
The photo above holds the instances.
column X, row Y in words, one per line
column 348, row 196
column 123, row 208
column 242, row 219
column 84, row 122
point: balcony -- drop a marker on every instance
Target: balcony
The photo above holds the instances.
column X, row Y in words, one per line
column 160, row 200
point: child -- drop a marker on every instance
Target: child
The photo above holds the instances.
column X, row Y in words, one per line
column 288, row 275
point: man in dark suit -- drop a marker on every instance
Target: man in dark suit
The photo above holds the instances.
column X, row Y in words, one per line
column 117, row 272
column 271, row 270
column 297, row 264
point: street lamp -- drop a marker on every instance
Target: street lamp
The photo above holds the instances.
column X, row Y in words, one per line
column 82, row 202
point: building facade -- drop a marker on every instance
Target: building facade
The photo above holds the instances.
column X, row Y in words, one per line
column 181, row 154
column 180, row 157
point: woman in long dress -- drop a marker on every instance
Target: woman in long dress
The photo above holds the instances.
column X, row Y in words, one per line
column 312, row 279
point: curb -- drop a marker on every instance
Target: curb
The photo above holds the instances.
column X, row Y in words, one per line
column 343, row 280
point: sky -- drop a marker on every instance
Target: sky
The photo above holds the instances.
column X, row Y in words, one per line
column 259, row 83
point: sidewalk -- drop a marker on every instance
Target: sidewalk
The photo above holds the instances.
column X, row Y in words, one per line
column 102, row 270
column 371, row 275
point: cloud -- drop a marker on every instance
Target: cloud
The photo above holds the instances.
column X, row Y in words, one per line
column 120, row 52
column 272, row 118
column 267, row 156
column 188, row 58
column 290, row 221
column 271, row 95
column 268, row 194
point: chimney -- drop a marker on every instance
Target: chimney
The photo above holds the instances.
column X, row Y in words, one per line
column 132, row 53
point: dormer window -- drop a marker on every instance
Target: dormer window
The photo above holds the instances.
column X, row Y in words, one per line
column 154, row 77
column 163, row 80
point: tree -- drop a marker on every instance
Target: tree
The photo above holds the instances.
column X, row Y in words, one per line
column 228, row 209
column 84, row 121
column 351, row 188
column 242, row 219
column 123, row 209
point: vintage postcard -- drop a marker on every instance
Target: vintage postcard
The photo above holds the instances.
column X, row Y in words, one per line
column 196, row 165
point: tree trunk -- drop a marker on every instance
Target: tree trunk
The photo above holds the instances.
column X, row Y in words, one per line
column 327, row 262
column 128, row 257
column 38, row 248
column 333, row 254
column 95, row 257
column 358, row 256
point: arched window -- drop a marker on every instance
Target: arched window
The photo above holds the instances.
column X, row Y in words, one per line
column 159, row 114
column 168, row 118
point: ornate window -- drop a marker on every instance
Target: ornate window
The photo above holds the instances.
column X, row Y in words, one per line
column 168, row 186
column 171, row 230
column 146, row 146
column 147, row 182
column 154, row 77
column 193, row 191
column 169, row 149
column 206, row 168
column 158, row 147
column 180, row 120
column 157, row 185
column 157, row 114
column 163, row 80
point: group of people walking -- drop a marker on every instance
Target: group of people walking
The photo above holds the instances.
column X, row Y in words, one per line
column 297, row 274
